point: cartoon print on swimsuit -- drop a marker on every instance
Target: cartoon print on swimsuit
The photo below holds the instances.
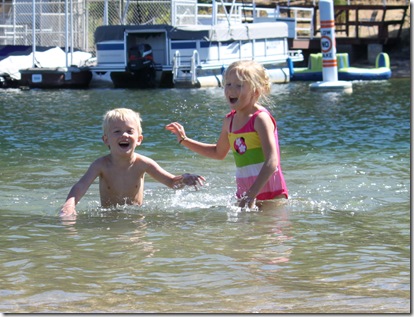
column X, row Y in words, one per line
column 240, row 145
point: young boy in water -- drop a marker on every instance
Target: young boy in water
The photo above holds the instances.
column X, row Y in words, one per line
column 121, row 172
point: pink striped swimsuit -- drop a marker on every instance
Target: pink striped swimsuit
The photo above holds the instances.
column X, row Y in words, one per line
column 249, row 159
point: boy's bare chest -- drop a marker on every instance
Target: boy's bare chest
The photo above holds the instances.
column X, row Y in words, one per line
column 123, row 180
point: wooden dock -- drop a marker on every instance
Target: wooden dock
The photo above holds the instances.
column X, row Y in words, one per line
column 358, row 28
column 357, row 24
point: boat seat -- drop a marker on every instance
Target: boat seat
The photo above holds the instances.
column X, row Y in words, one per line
column 342, row 60
column 382, row 60
column 315, row 62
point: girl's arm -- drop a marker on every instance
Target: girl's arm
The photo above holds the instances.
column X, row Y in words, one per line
column 79, row 189
column 216, row 151
column 265, row 128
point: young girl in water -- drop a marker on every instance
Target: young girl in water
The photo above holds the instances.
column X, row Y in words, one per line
column 121, row 172
column 250, row 131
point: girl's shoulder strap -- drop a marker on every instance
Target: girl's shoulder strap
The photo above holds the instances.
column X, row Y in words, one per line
column 231, row 116
column 263, row 109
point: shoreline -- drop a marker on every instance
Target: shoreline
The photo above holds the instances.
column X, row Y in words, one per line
column 401, row 71
column 400, row 60
column 399, row 68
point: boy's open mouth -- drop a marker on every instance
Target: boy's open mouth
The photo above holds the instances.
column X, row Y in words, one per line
column 124, row 144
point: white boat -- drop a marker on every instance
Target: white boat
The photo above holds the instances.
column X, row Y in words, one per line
column 195, row 49
column 40, row 76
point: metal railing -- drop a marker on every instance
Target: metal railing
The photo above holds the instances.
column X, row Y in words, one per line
column 301, row 17
column 16, row 17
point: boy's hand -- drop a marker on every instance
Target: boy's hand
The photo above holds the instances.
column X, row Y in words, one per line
column 68, row 211
column 193, row 180
column 68, row 218
column 189, row 180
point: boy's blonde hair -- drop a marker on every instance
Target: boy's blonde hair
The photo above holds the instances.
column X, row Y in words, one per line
column 122, row 114
column 253, row 73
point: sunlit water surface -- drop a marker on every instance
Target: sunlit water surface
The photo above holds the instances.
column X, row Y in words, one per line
column 341, row 244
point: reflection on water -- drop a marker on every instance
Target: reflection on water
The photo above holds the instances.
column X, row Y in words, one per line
column 340, row 244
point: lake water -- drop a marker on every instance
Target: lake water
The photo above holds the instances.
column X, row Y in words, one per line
column 341, row 244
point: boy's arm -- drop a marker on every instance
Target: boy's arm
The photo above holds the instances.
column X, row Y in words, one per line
column 79, row 189
column 170, row 180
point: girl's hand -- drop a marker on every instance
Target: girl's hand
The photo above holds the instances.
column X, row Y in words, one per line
column 177, row 129
column 246, row 202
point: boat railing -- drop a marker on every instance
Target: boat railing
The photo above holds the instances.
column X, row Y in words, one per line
column 18, row 34
column 10, row 33
column 187, row 71
column 225, row 12
column 195, row 61
column 176, row 64
column 300, row 20
column 208, row 14
column 295, row 55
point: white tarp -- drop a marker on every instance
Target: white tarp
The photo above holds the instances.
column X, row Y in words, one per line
column 246, row 31
column 12, row 64
column 54, row 57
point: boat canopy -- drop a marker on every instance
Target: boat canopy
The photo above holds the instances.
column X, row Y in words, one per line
column 214, row 33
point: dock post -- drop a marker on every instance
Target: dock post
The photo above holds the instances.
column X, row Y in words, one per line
column 328, row 47
column 373, row 51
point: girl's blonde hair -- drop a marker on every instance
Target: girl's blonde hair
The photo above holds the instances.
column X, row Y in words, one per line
column 121, row 114
column 253, row 73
